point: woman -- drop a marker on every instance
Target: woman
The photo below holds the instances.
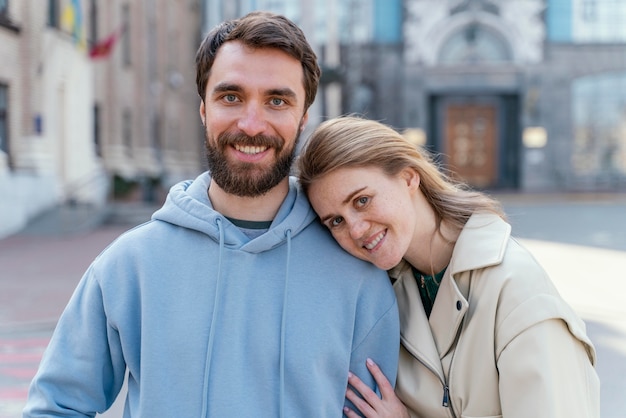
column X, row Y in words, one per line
column 484, row 332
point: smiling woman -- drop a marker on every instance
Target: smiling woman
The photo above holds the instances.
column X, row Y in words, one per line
column 367, row 212
column 480, row 318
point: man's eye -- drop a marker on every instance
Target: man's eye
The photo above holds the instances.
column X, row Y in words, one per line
column 336, row 221
column 230, row 98
column 277, row 102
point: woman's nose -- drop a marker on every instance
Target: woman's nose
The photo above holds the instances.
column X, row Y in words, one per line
column 358, row 228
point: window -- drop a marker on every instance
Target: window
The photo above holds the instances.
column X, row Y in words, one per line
column 599, row 117
column 127, row 132
column 126, row 52
column 157, row 137
column 96, row 130
column 586, row 21
column 4, row 8
column 4, row 118
column 93, row 21
column 589, row 10
column 54, row 14
column 387, row 21
column 5, row 17
column 559, row 20
column 599, row 21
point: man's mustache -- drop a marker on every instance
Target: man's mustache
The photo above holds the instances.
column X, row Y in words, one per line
column 230, row 139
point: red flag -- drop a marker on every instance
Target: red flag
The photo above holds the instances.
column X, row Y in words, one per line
column 103, row 48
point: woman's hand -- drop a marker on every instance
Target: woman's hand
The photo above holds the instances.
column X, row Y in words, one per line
column 370, row 405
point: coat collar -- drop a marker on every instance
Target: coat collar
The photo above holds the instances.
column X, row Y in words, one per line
column 482, row 243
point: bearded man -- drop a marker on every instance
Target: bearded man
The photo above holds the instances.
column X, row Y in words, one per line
column 233, row 301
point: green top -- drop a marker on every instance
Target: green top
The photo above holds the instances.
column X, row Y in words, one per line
column 428, row 285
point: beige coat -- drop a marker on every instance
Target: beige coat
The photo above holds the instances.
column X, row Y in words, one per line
column 500, row 341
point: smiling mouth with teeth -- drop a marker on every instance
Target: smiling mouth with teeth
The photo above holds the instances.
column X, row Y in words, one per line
column 250, row 150
column 375, row 241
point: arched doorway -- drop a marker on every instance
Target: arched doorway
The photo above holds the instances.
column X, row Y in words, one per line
column 476, row 121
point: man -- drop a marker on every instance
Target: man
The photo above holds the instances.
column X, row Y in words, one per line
column 233, row 301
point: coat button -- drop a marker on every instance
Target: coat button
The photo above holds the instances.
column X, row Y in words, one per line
column 459, row 305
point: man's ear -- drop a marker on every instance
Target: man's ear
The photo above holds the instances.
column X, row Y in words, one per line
column 304, row 120
column 202, row 114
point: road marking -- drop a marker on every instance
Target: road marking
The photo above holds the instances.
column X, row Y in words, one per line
column 20, row 356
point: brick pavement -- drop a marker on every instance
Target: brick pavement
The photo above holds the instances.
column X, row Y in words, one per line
column 38, row 274
column 20, row 355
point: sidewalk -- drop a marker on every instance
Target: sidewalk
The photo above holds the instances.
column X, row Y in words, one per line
column 39, row 269
column 39, row 273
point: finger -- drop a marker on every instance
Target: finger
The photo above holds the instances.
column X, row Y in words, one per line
column 350, row 413
column 362, row 405
column 383, row 383
column 366, row 392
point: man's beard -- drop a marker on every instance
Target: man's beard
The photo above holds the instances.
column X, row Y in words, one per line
column 247, row 179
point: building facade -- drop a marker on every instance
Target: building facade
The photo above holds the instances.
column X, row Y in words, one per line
column 521, row 95
column 517, row 95
column 147, row 125
column 97, row 102
column 46, row 95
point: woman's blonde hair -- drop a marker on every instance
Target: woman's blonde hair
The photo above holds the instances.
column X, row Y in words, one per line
column 352, row 141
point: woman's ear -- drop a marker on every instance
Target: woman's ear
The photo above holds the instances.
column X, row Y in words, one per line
column 411, row 177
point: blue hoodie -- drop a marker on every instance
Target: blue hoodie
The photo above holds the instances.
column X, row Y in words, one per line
column 209, row 323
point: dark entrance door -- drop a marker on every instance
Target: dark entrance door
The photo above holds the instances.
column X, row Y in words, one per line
column 470, row 143
column 477, row 138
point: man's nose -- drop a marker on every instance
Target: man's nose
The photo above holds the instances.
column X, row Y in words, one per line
column 252, row 122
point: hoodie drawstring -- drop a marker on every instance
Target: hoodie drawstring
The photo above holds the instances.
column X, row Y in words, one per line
column 216, row 310
column 283, row 327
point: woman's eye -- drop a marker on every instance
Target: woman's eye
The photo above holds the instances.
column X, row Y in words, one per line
column 362, row 201
column 336, row 221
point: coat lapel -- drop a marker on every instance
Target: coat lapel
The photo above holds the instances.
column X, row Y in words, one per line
column 448, row 313
column 415, row 332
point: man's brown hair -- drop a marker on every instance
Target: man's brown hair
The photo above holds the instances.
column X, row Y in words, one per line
column 260, row 30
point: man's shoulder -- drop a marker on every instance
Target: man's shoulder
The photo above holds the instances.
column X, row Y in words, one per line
column 322, row 248
column 139, row 240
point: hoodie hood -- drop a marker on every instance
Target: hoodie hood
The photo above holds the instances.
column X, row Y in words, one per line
column 188, row 205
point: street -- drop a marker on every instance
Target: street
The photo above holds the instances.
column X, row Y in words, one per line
column 580, row 240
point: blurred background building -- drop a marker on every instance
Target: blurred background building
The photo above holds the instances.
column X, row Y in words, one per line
column 98, row 99
column 97, row 102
